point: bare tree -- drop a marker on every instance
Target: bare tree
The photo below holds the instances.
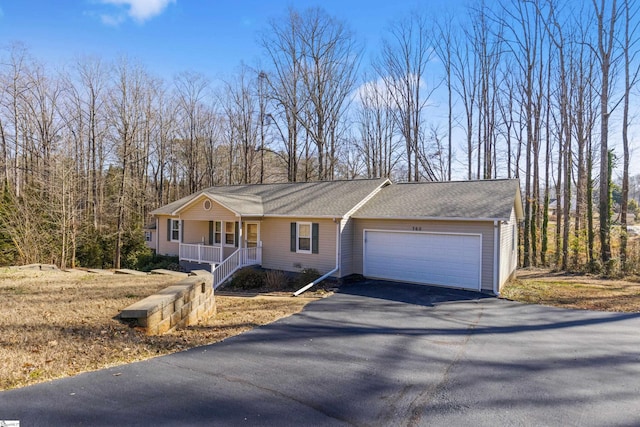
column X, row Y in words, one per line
column 283, row 48
column 403, row 63
column 329, row 65
column 242, row 111
column 630, row 51
column 375, row 117
column 604, row 51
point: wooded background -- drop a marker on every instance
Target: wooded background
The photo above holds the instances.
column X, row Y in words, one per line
column 541, row 90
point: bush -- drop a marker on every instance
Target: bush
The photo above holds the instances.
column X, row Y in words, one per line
column 95, row 249
column 306, row 276
column 247, row 278
column 276, row 280
column 152, row 261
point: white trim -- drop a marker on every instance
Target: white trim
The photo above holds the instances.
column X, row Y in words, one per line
column 197, row 198
column 338, row 247
column 179, row 222
column 431, row 218
column 354, row 209
column 204, row 204
column 304, row 251
column 297, row 216
column 247, row 232
column 157, row 235
column 479, row 235
column 496, row 265
column 224, row 233
column 215, row 222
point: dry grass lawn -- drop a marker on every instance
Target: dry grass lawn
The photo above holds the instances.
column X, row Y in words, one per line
column 538, row 286
column 56, row 324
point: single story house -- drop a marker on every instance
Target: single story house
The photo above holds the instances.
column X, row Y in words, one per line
column 458, row 234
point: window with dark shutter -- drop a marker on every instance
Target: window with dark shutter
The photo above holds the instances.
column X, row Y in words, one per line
column 305, row 237
column 217, row 233
column 294, row 240
column 315, row 237
column 175, row 230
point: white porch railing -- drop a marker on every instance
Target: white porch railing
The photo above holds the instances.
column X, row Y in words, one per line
column 198, row 252
column 240, row 258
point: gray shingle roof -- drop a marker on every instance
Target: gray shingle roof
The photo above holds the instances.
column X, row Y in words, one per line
column 308, row 199
column 490, row 199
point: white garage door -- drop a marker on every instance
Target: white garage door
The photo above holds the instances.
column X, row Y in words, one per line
column 429, row 258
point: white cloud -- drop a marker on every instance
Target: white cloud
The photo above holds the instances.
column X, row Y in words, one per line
column 139, row 10
column 112, row 20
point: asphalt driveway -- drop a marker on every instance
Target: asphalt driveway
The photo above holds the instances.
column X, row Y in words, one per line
column 374, row 354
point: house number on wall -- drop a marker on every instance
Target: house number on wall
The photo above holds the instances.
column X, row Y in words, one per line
column 414, row 228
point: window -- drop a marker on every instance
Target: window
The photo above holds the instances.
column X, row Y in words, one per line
column 147, row 236
column 217, row 232
column 175, row 230
column 304, row 237
column 230, row 233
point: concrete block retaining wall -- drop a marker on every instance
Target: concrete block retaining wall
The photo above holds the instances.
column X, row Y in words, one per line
column 185, row 303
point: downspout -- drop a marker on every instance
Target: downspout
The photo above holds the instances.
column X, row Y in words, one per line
column 496, row 291
column 321, row 278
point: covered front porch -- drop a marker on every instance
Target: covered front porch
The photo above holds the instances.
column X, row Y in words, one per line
column 224, row 245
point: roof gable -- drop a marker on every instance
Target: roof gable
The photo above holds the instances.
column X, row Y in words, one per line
column 308, row 199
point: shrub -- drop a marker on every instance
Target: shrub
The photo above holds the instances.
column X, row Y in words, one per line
column 306, row 276
column 148, row 262
column 95, row 249
column 247, row 278
column 276, row 280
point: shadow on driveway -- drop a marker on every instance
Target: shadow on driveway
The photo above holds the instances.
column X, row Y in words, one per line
column 410, row 293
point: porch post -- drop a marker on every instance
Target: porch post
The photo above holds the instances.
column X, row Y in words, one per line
column 240, row 238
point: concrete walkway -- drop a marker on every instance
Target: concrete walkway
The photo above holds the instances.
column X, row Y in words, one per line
column 373, row 354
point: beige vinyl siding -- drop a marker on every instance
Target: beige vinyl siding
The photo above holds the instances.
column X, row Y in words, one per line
column 165, row 247
column 346, row 247
column 152, row 244
column 196, row 212
column 485, row 228
column 508, row 249
column 275, row 234
column 196, row 232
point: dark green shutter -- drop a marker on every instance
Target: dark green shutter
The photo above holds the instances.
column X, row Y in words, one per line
column 211, row 232
column 293, row 237
column 168, row 229
column 182, row 231
column 237, row 233
column 314, row 237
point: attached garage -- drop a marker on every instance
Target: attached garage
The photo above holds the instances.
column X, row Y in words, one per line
column 446, row 259
column 454, row 234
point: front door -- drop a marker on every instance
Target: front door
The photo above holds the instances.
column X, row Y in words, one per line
column 252, row 239
column 252, row 234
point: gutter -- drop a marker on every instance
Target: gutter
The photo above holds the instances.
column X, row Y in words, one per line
column 496, row 291
column 430, row 218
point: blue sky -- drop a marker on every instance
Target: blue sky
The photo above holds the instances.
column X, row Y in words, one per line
column 169, row 36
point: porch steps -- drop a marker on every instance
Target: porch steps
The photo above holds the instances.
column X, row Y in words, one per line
column 242, row 257
column 169, row 272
